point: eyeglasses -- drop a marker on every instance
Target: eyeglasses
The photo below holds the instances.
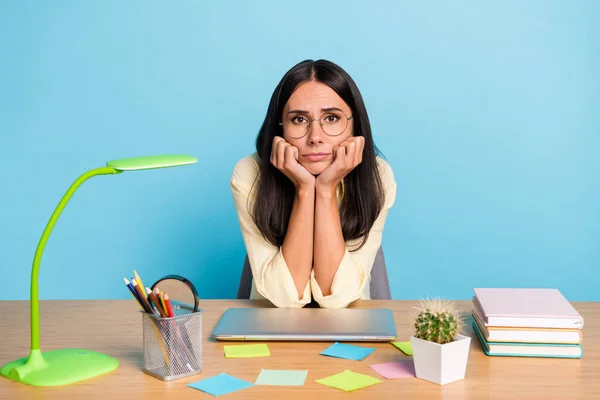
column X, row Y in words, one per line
column 333, row 123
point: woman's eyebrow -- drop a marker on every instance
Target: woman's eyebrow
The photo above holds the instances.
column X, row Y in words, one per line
column 306, row 112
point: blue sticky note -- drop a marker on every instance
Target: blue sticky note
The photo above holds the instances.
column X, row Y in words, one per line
column 349, row 351
column 220, row 384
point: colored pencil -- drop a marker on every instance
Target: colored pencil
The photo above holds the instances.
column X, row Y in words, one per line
column 168, row 303
column 162, row 300
column 152, row 303
column 142, row 297
column 159, row 295
column 139, row 281
column 134, row 293
column 154, row 300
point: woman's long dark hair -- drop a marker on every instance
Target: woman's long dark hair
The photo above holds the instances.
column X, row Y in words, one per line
column 363, row 192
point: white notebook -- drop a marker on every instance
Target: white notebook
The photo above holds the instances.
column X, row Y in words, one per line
column 528, row 308
column 526, row 335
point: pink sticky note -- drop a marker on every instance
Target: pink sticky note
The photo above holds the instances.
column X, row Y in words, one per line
column 395, row 370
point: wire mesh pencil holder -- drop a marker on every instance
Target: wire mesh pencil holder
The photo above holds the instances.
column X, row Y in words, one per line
column 173, row 346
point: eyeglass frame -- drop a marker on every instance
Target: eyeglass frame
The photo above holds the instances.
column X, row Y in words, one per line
column 310, row 121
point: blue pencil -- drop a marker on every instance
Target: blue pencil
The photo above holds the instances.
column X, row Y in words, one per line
column 133, row 292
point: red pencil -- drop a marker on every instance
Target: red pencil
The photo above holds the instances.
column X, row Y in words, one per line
column 168, row 304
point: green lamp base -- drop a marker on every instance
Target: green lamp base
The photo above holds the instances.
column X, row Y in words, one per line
column 58, row 367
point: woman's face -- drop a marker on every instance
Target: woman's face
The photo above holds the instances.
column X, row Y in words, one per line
column 301, row 128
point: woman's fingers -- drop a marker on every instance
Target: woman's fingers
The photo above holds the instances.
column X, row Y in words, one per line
column 340, row 156
column 274, row 150
column 356, row 146
column 350, row 154
column 284, row 156
column 360, row 147
column 289, row 160
column 281, row 146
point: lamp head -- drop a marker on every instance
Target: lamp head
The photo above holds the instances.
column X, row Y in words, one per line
column 151, row 162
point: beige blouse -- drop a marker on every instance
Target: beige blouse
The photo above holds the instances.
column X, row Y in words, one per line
column 271, row 277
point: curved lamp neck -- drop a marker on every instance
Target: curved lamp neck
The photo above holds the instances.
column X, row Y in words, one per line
column 35, row 314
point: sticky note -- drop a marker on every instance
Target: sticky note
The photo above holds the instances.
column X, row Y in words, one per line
column 395, row 370
column 348, row 351
column 220, row 384
column 246, row 350
column 281, row 377
column 405, row 347
column 349, row 381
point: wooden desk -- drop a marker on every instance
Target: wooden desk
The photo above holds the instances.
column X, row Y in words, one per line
column 115, row 327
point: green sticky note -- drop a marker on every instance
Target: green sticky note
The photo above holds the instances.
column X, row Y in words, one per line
column 349, row 381
column 405, row 347
column 281, row 377
column 246, row 350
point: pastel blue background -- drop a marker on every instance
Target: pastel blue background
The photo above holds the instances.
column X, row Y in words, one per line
column 488, row 112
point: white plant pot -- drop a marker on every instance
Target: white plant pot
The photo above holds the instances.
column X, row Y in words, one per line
column 441, row 363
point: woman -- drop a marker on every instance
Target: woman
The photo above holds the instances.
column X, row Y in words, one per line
column 313, row 200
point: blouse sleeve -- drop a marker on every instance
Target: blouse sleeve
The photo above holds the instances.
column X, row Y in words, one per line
column 270, row 272
column 355, row 267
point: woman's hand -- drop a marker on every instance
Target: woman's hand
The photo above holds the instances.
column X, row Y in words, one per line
column 284, row 157
column 346, row 156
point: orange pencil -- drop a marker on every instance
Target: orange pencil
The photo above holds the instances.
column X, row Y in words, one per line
column 168, row 303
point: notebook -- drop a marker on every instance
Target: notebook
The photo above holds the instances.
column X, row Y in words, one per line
column 527, row 335
column 526, row 308
column 528, row 349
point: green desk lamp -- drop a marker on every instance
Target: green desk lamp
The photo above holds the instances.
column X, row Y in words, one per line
column 65, row 366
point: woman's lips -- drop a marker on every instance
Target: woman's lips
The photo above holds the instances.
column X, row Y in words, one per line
column 316, row 156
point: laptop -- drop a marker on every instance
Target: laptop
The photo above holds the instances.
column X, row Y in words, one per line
column 306, row 324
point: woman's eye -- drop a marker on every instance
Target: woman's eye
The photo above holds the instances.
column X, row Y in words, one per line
column 299, row 120
column 331, row 118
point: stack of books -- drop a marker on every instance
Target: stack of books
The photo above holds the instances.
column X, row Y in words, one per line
column 527, row 323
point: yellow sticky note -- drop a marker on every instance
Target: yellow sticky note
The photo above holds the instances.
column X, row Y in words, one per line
column 348, row 381
column 246, row 350
column 404, row 347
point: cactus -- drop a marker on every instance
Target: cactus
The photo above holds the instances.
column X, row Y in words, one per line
column 437, row 321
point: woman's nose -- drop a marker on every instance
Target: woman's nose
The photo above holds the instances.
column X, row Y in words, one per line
column 315, row 132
